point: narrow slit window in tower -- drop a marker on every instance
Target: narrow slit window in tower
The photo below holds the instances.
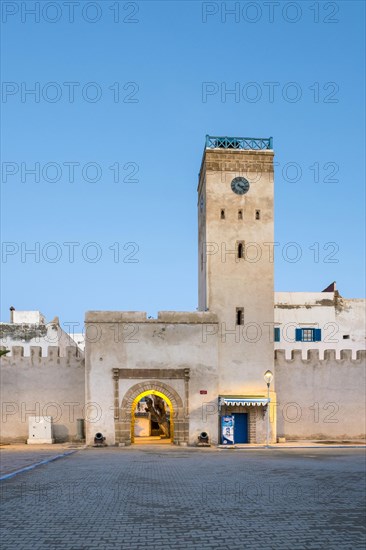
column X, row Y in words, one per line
column 240, row 316
column 222, row 214
column 240, row 249
column 240, row 214
column 257, row 214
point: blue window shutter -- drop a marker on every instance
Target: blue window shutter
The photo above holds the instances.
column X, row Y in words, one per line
column 298, row 334
column 317, row 335
column 277, row 334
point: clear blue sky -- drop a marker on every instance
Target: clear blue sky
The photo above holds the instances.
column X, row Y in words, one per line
column 168, row 53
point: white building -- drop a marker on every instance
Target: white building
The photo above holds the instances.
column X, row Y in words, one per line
column 30, row 328
column 319, row 320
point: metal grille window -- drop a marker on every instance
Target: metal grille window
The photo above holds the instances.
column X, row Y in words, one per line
column 308, row 335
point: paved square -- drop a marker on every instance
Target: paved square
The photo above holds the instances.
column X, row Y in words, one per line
column 175, row 498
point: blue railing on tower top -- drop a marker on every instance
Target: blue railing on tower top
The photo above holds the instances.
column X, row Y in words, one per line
column 214, row 142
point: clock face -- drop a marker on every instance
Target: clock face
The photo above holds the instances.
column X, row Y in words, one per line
column 240, row 185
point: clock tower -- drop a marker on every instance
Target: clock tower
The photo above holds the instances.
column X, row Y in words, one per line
column 236, row 275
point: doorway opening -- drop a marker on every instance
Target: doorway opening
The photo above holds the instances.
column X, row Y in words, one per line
column 241, row 433
column 152, row 419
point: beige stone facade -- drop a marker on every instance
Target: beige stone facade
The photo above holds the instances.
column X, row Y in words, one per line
column 209, row 363
column 132, row 355
column 194, row 358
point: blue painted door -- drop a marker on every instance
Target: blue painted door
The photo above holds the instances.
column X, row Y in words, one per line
column 241, row 428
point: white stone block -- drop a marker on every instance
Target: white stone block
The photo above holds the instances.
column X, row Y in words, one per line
column 40, row 430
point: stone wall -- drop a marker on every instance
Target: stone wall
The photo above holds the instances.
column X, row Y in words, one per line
column 320, row 399
column 315, row 398
column 51, row 385
column 126, row 353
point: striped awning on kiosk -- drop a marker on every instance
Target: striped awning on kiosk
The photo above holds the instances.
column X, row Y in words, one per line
column 243, row 401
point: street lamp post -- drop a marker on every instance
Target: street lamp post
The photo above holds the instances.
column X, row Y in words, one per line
column 268, row 377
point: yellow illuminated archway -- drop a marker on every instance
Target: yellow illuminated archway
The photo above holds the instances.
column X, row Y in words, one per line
column 144, row 394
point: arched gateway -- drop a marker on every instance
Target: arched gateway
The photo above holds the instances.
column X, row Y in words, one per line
column 125, row 423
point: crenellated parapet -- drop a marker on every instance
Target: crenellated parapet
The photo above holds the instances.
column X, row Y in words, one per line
column 68, row 356
column 315, row 357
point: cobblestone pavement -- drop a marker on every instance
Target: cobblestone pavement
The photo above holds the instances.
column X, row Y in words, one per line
column 178, row 498
column 16, row 457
